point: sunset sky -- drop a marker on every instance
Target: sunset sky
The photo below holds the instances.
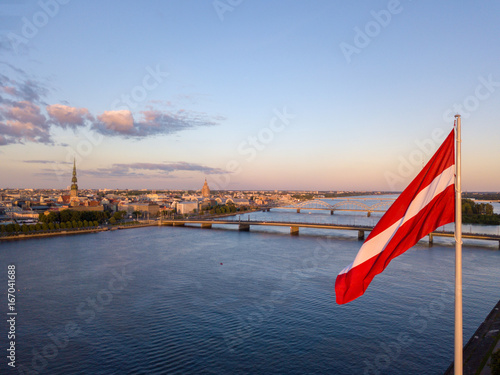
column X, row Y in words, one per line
column 250, row 94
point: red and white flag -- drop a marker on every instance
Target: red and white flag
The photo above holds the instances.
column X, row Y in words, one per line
column 426, row 204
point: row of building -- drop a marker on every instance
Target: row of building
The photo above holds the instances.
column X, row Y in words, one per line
column 28, row 204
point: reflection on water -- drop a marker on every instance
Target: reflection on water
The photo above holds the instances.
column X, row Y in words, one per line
column 219, row 301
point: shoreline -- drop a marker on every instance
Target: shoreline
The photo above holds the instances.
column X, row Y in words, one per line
column 23, row 236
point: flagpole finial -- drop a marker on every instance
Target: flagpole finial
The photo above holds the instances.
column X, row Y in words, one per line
column 457, row 115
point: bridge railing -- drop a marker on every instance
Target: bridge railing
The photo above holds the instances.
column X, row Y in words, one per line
column 344, row 204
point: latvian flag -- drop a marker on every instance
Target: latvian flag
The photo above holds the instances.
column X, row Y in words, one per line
column 426, row 204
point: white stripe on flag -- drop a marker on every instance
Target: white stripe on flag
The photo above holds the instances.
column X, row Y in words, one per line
column 377, row 244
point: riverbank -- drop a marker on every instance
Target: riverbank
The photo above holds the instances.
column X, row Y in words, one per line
column 24, row 236
column 68, row 232
column 481, row 345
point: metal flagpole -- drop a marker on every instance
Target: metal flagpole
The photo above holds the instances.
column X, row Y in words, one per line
column 458, row 254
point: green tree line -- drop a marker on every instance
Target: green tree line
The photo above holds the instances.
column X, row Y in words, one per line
column 478, row 213
column 226, row 209
column 60, row 220
column 11, row 229
column 482, row 196
column 71, row 215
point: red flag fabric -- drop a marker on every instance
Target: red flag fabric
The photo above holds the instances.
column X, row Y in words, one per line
column 426, row 204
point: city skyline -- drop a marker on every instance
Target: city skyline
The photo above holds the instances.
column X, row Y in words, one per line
column 249, row 95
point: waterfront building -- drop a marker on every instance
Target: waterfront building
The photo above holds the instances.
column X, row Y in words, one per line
column 144, row 207
column 238, row 201
column 187, row 207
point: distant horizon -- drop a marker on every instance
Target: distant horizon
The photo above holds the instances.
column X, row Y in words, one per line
column 378, row 192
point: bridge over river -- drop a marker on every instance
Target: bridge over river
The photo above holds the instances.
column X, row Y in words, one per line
column 244, row 225
column 343, row 204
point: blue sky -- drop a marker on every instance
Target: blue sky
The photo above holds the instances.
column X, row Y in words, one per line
column 318, row 95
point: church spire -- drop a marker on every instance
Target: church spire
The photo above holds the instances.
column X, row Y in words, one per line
column 74, row 186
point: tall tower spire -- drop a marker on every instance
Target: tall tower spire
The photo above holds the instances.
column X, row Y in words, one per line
column 205, row 190
column 74, row 186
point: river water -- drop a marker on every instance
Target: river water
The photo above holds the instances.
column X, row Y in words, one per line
column 164, row 300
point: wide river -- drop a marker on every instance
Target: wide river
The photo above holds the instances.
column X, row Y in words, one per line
column 164, row 300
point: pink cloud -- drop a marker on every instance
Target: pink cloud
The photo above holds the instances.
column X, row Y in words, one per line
column 150, row 116
column 20, row 128
column 118, row 121
column 26, row 112
column 149, row 122
column 10, row 90
column 66, row 116
column 23, row 122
